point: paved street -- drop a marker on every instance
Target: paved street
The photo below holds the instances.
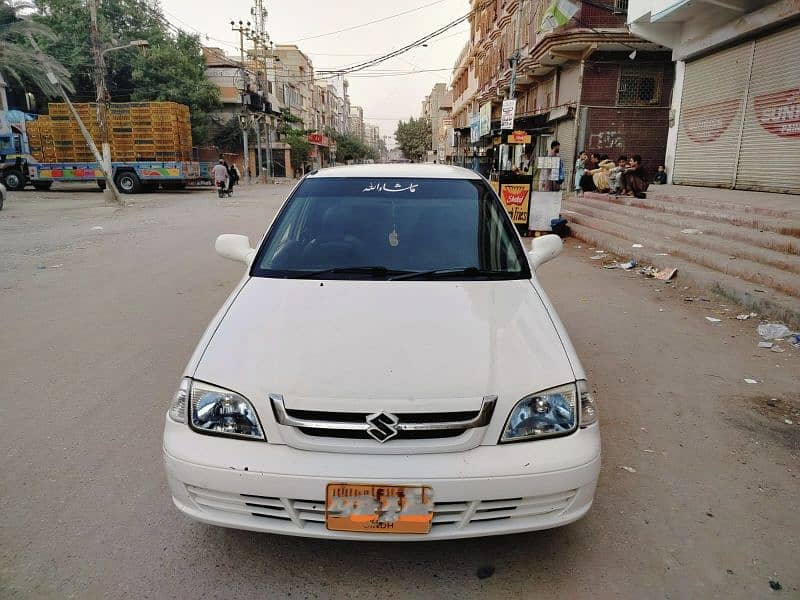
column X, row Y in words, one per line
column 100, row 309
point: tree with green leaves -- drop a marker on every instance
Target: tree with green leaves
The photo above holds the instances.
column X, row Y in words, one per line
column 172, row 68
column 350, row 147
column 414, row 138
column 24, row 67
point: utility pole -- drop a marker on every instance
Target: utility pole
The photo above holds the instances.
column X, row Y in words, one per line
column 244, row 120
column 516, row 56
column 102, row 98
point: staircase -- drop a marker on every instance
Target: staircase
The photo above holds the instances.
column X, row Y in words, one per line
column 743, row 245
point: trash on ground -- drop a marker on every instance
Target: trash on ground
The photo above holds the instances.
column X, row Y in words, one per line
column 796, row 340
column 772, row 402
column 775, row 585
column 626, row 266
column 777, row 349
column 788, row 421
column 765, row 344
column 485, row 571
column 771, row 331
column 649, row 451
column 649, row 271
column 667, row 274
column 743, row 317
column 596, row 257
column 751, row 380
column 98, row 228
column 662, row 254
column 628, row 469
column 691, row 231
column 713, row 320
column 55, row 266
column 637, row 246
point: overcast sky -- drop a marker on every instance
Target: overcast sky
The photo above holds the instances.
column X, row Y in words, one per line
column 384, row 99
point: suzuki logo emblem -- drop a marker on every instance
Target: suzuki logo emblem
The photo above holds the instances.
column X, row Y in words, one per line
column 383, row 426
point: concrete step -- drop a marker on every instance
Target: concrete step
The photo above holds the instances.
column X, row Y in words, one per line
column 765, row 300
column 789, row 225
column 753, row 237
column 757, row 203
column 748, row 270
column 669, row 228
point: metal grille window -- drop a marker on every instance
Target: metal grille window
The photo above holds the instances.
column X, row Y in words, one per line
column 639, row 87
column 621, row 5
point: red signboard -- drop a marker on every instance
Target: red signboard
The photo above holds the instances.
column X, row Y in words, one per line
column 779, row 112
column 317, row 139
column 707, row 123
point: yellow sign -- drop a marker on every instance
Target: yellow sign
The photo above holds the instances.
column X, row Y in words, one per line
column 516, row 198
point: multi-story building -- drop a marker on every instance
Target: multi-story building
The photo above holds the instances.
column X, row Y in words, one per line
column 735, row 113
column 590, row 84
column 356, row 122
column 249, row 86
column 372, row 136
column 295, row 78
column 436, row 108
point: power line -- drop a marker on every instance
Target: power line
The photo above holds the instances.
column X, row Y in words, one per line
column 381, row 20
column 407, row 47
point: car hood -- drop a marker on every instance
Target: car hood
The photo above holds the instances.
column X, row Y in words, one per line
column 395, row 344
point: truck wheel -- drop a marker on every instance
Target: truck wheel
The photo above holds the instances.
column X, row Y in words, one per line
column 13, row 180
column 43, row 186
column 127, row 182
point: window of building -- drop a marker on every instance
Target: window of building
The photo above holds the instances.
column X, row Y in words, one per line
column 639, row 87
column 621, row 5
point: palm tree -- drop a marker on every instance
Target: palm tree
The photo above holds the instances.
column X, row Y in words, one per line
column 20, row 57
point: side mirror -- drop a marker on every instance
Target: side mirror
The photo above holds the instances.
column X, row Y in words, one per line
column 543, row 249
column 235, row 247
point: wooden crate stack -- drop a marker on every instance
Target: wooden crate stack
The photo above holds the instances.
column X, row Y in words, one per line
column 138, row 131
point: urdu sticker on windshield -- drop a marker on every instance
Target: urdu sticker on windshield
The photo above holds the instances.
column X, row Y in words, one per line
column 385, row 187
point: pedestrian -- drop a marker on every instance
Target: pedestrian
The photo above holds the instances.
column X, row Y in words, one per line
column 587, row 181
column 661, row 176
column 636, row 178
column 220, row 175
column 580, row 169
column 233, row 178
column 615, row 175
column 551, row 178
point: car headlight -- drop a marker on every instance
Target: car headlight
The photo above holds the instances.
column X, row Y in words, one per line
column 588, row 404
column 215, row 410
column 548, row 413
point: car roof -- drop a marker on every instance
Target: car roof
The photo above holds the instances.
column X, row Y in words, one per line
column 427, row 171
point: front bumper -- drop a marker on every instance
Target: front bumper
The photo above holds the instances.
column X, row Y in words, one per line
column 488, row 490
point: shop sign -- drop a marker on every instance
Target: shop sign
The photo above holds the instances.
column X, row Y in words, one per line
column 516, row 198
column 779, row 112
column 475, row 129
column 519, row 137
column 706, row 123
column 507, row 114
column 558, row 113
column 317, row 139
column 486, row 119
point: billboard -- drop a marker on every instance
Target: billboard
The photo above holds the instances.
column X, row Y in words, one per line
column 486, row 119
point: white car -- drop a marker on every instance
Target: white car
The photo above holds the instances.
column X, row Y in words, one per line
column 389, row 368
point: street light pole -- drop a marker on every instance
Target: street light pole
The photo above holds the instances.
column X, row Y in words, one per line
column 111, row 191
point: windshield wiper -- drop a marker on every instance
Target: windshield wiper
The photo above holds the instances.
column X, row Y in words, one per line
column 373, row 271
column 468, row 271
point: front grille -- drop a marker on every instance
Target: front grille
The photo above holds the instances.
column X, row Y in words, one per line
column 311, row 513
column 400, row 426
column 363, row 435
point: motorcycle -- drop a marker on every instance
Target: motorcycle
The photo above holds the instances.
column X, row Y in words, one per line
column 222, row 190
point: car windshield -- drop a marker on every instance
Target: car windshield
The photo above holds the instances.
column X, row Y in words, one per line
column 387, row 228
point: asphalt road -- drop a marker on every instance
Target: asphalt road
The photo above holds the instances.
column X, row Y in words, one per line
column 97, row 324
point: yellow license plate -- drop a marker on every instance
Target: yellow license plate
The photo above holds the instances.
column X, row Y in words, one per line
column 378, row 508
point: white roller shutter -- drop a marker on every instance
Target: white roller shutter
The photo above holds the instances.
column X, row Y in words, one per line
column 769, row 158
column 710, row 122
